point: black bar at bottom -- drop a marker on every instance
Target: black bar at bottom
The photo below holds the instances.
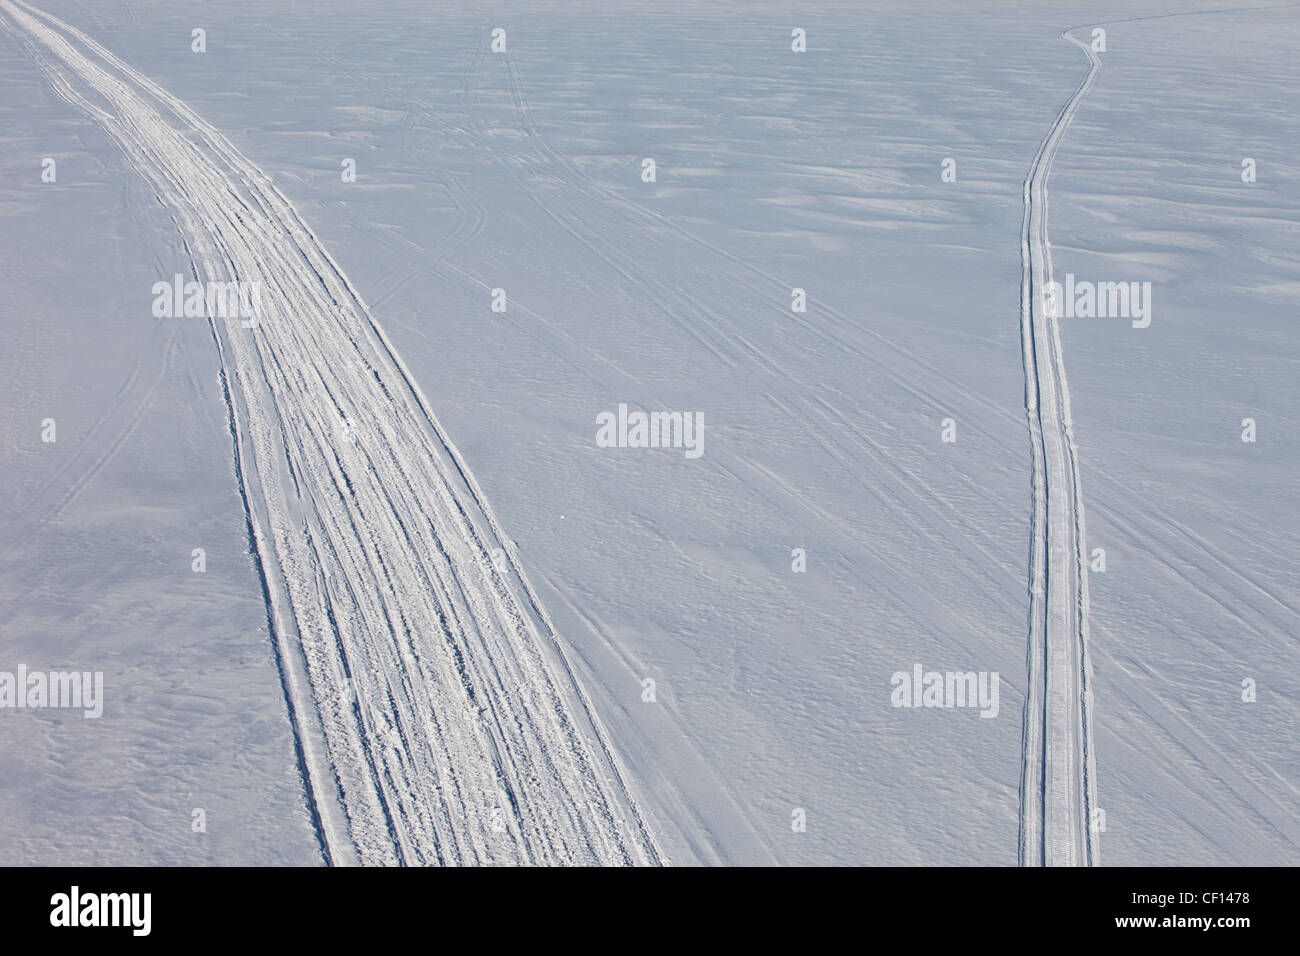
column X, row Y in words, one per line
column 584, row 907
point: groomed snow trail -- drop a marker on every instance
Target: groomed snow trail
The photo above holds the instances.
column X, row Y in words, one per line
column 437, row 717
column 1058, row 785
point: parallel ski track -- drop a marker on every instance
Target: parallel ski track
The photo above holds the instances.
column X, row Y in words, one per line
column 1058, row 783
column 437, row 717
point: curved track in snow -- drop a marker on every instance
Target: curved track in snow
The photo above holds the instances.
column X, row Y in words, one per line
column 437, row 717
column 1058, row 783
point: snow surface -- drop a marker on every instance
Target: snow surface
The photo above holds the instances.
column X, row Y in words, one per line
column 478, row 170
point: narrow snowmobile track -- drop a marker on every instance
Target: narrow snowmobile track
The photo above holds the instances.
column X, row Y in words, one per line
column 1058, row 783
column 437, row 717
